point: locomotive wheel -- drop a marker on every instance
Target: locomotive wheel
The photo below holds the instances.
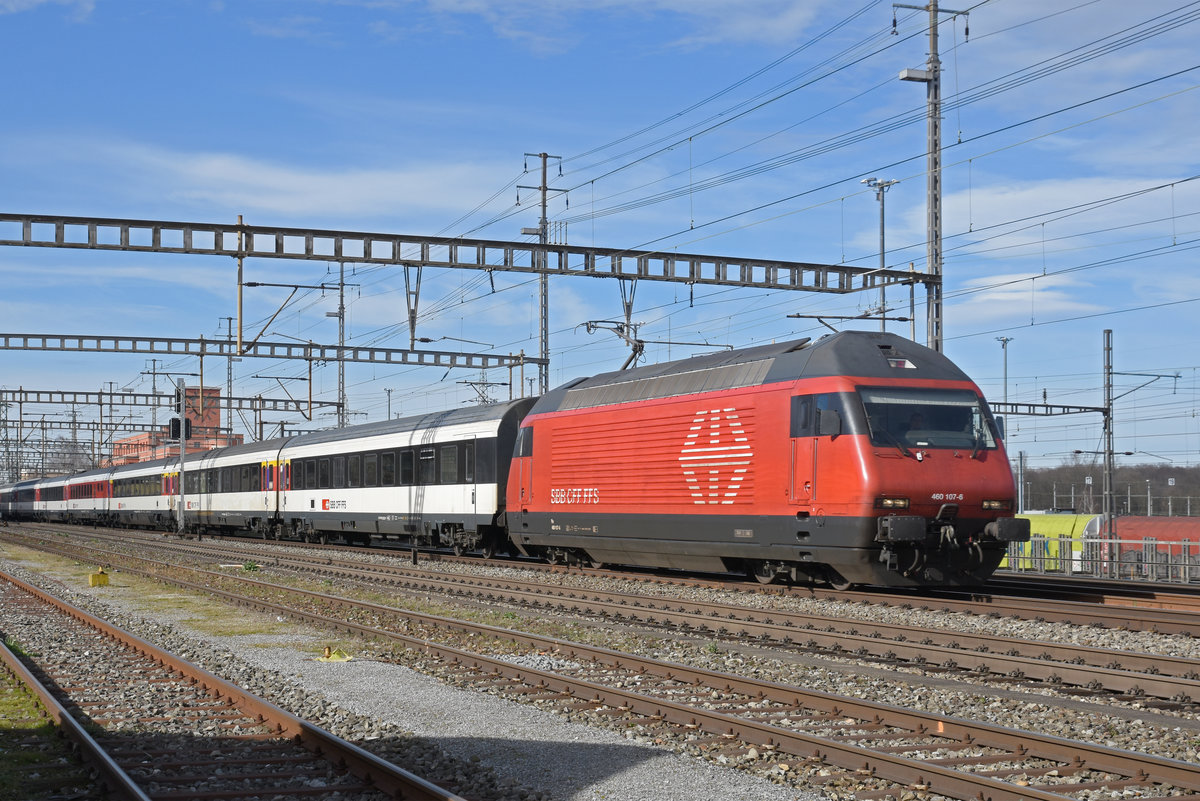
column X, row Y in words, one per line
column 763, row 572
column 837, row 581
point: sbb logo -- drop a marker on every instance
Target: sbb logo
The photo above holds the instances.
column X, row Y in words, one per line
column 715, row 456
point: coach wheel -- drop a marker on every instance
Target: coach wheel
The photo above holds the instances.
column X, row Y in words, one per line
column 458, row 549
column 488, row 549
column 323, row 537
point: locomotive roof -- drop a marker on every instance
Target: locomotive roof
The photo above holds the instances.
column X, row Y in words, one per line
column 470, row 414
column 862, row 354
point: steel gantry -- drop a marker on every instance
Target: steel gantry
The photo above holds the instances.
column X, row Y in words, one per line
column 413, row 253
column 67, row 398
column 246, row 241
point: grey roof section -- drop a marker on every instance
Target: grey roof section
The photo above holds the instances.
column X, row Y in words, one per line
column 861, row 354
column 470, row 414
column 866, row 354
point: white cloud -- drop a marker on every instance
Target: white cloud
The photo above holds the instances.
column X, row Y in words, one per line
column 82, row 8
column 133, row 173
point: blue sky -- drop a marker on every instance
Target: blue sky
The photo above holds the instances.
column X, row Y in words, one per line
column 728, row 127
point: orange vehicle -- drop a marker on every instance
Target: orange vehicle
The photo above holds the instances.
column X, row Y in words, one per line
column 859, row 458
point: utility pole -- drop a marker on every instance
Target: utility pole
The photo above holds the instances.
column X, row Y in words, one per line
column 229, row 377
column 543, row 279
column 932, row 78
column 181, row 388
column 343, row 413
column 1004, row 346
column 1113, row 556
column 881, row 188
column 389, row 394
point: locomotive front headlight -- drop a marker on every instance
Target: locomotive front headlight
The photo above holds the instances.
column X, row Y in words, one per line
column 891, row 503
column 997, row 506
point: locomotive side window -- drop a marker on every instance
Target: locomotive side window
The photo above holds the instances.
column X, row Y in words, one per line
column 928, row 418
column 821, row 415
column 371, row 470
column 525, row 441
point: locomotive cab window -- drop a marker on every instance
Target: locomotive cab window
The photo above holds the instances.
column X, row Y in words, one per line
column 928, row 418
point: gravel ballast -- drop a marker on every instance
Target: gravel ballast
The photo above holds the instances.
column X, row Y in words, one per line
column 500, row 749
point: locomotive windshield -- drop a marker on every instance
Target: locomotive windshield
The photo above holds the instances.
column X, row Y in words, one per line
column 927, row 418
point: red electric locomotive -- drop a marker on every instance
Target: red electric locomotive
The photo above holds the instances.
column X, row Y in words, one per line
column 860, row 458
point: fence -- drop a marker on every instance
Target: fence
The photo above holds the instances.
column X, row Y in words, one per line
column 1147, row 559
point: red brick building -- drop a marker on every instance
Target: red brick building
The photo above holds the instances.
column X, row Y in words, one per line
column 203, row 409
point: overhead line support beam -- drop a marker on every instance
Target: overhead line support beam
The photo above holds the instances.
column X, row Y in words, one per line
column 245, row 241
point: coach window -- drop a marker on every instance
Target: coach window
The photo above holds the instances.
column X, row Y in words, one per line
column 323, row 473
column 426, row 466
column 448, row 474
column 387, row 469
column 226, row 479
column 407, row 468
column 339, row 472
column 469, row 462
column 354, row 471
column 255, row 473
column 371, row 470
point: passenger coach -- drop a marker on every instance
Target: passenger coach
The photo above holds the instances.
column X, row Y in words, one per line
column 435, row 479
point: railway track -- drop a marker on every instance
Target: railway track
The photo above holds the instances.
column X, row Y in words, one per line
column 1161, row 681
column 1163, row 609
column 154, row 726
column 818, row 737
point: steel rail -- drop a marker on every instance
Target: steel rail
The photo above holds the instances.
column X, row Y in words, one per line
column 1171, row 677
column 111, row 776
column 893, row 767
column 385, row 776
column 1162, row 676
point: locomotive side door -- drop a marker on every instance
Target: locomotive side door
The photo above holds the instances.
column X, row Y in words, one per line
column 524, row 450
column 804, row 449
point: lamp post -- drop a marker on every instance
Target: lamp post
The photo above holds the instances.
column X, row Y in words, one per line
column 881, row 188
column 1109, row 566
